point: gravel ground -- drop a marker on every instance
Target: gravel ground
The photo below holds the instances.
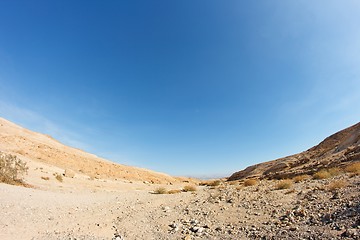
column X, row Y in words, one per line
column 308, row 210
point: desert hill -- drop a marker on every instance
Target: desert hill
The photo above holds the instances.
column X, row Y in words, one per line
column 43, row 148
column 337, row 150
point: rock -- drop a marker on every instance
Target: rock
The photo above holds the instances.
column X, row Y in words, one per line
column 187, row 237
column 218, row 229
column 351, row 233
column 197, row 229
column 69, row 173
column 166, row 209
column 118, row 237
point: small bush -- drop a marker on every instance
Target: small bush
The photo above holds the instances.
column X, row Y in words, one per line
column 337, row 185
column 250, row 182
column 189, row 188
column 214, row 183
column 322, row 174
column 210, row 183
column 174, row 191
column 12, row 169
column 353, row 168
column 335, row 171
column 301, row 178
column 160, row 190
column 45, row 178
column 284, row 184
column 59, row 177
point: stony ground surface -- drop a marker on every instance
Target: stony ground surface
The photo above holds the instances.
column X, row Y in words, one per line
column 308, row 210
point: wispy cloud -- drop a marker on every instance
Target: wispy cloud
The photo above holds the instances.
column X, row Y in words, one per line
column 39, row 123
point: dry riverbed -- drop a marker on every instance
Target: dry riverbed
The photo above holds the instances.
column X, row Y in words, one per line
column 125, row 210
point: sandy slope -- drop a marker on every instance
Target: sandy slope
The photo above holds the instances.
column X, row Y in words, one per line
column 43, row 148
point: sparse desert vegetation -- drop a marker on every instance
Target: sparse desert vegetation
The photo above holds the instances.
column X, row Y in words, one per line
column 174, row 191
column 301, row 178
column 12, row 169
column 284, row 184
column 335, row 171
column 250, row 182
column 338, row 184
column 311, row 208
column 189, row 188
column 59, row 177
column 213, row 183
column 160, row 190
column 353, row 168
column 327, row 173
column 322, row 174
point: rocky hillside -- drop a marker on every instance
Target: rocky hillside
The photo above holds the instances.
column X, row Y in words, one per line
column 338, row 150
column 42, row 148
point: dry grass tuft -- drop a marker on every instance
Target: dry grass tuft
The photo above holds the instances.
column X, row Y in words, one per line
column 250, row 182
column 301, row 178
column 322, row 174
column 45, row 178
column 353, row 168
column 284, row 184
column 214, row 183
column 232, row 183
column 59, row 177
column 335, row 171
column 161, row 190
column 189, row 188
column 12, row 169
column 327, row 173
column 174, row 191
column 337, row 185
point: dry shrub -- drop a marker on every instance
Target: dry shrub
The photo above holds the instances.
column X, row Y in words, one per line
column 59, row 177
column 335, row 171
column 45, row 178
column 232, row 183
column 174, row 191
column 353, row 168
column 284, row 184
column 160, row 190
column 250, row 182
column 189, row 188
column 214, row 183
column 301, row 178
column 211, row 183
column 12, row 169
column 322, row 174
column 327, row 173
column 337, row 185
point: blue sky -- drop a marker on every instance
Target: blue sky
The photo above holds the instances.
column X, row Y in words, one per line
column 199, row 88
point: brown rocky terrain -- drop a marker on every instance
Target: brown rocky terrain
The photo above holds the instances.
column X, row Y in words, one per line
column 338, row 150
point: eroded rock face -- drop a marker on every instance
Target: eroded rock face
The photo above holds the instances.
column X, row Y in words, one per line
column 337, row 150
